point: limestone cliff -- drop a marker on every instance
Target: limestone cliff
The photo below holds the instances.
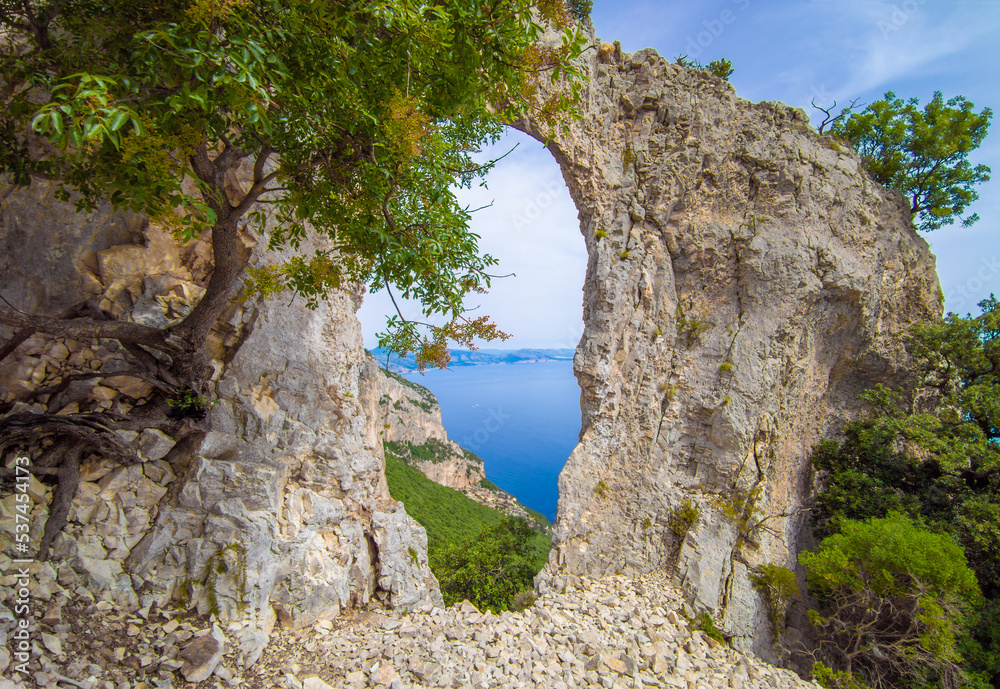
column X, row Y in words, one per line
column 746, row 280
column 410, row 418
column 285, row 485
column 412, row 431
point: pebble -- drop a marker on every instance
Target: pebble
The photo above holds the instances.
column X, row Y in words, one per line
column 613, row 633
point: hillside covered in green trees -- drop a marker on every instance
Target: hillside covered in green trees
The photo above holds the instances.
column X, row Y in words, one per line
column 476, row 552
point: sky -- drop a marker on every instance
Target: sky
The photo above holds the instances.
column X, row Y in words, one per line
column 793, row 51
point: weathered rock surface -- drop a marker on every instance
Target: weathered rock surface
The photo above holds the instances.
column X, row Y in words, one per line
column 615, row 633
column 747, row 279
column 281, row 511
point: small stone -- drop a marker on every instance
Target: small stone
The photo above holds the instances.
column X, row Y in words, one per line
column 614, row 664
column 314, row 682
column 53, row 616
column 384, row 675
column 53, row 643
column 203, row 655
column 154, row 444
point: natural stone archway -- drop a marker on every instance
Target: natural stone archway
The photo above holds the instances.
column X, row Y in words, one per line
column 746, row 281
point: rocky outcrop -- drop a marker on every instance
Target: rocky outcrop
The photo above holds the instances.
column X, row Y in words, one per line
column 746, row 280
column 280, row 511
column 411, row 426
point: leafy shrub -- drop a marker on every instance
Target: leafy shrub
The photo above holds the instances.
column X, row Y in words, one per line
column 721, row 68
column 691, row 329
column 601, row 489
column 706, row 624
column 894, row 599
column 523, row 600
column 832, row 679
column 778, row 586
column 683, row 517
column 490, row 570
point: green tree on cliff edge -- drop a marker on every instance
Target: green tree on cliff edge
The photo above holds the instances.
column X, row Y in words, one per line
column 353, row 121
column 922, row 152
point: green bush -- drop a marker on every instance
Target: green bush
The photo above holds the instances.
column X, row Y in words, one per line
column 938, row 466
column 894, row 599
column 457, row 524
column 490, row 570
column 706, row 624
column 683, row 517
column 778, row 586
column 721, row 68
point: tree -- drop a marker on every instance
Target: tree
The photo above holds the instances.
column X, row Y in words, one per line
column 894, row 600
column 933, row 454
column 922, row 153
column 488, row 570
column 353, row 120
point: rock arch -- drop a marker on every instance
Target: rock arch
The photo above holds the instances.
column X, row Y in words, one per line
column 746, row 280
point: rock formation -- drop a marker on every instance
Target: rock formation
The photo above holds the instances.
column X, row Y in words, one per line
column 746, row 280
column 412, row 431
column 281, row 510
column 411, row 416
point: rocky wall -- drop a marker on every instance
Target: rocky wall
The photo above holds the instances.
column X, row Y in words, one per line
column 746, row 280
column 280, row 511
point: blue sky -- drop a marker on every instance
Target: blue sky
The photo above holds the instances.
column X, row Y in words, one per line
column 786, row 50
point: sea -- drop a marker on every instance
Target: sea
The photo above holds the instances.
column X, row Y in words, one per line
column 523, row 419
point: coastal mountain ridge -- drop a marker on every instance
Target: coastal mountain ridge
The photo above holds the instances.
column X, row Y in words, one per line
column 477, row 357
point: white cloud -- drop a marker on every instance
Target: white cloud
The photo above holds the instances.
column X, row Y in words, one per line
column 532, row 229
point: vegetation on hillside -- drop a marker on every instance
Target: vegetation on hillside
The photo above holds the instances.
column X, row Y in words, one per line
column 932, row 457
column 475, row 552
column 894, row 600
column 433, row 451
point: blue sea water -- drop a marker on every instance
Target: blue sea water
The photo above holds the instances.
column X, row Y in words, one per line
column 522, row 419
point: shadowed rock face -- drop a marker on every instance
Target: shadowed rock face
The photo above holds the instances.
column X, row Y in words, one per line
column 746, row 281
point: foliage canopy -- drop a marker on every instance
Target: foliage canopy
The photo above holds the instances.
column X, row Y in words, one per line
column 336, row 129
column 922, row 152
column 894, row 599
column 356, row 118
column 933, row 455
